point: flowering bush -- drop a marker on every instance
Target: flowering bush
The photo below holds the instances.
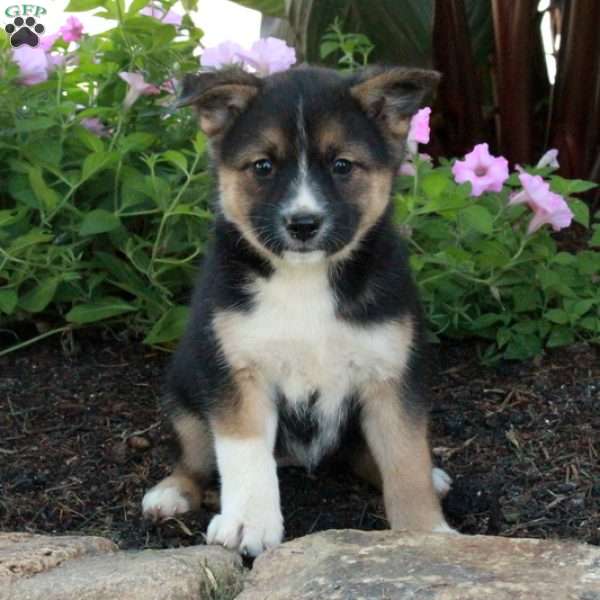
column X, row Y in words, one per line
column 103, row 188
column 104, row 192
column 483, row 254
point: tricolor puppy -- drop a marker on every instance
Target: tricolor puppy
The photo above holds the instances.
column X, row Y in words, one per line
column 305, row 335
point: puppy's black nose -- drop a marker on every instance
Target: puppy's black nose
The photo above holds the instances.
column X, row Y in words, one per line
column 303, row 226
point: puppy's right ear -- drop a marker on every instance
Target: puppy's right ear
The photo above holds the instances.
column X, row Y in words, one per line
column 218, row 97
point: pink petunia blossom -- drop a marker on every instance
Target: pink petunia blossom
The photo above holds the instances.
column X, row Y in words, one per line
column 95, row 125
column 137, row 87
column 226, row 53
column 72, row 30
column 549, row 159
column 168, row 18
column 46, row 42
column 269, row 55
column 547, row 206
column 485, row 172
column 419, row 129
column 34, row 64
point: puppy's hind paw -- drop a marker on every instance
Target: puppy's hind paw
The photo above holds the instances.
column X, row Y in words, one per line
column 161, row 503
column 442, row 482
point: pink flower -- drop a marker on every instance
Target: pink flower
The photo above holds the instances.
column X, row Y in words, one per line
column 46, row 42
column 168, row 18
column 72, row 31
column 269, row 55
column 549, row 159
column 419, row 129
column 486, row 173
column 547, row 206
column 95, row 126
column 226, row 53
column 137, row 87
column 33, row 64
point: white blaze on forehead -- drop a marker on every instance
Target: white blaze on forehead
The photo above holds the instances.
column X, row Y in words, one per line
column 304, row 199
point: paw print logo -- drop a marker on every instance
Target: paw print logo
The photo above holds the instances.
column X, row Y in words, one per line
column 24, row 31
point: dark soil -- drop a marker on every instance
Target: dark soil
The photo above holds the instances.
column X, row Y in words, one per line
column 81, row 438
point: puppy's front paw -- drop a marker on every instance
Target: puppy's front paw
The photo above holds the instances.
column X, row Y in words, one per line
column 163, row 502
column 251, row 534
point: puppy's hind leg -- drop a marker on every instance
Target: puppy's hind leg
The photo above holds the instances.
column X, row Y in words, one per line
column 182, row 491
column 398, row 442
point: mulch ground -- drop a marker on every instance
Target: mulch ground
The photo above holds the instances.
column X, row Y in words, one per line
column 81, row 438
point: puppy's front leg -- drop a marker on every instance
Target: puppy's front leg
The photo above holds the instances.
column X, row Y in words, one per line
column 397, row 438
column 244, row 432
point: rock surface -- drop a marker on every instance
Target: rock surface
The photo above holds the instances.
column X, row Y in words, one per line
column 25, row 554
column 348, row 564
column 88, row 568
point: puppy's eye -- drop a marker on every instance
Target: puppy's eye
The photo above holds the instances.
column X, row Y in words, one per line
column 262, row 167
column 341, row 166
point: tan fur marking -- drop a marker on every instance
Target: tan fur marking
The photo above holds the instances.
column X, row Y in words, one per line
column 373, row 202
column 244, row 411
column 235, row 194
column 399, row 444
column 197, row 446
column 332, row 136
column 269, row 143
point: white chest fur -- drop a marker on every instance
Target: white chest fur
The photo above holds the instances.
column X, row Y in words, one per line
column 294, row 339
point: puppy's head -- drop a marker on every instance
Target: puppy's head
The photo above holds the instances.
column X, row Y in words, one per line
column 306, row 158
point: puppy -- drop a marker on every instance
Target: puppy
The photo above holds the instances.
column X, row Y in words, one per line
column 305, row 334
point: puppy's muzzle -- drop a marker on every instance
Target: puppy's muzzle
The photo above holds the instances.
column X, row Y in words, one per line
column 303, row 227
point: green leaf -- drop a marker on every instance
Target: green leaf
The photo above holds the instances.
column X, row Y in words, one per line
column 479, row 218
column 98, row 221
column 328, row 48
column 137, row 142
column 45, row 194
column 169, row 327
column 564, row 258
column 581, row 211
column 526, row 299
column 566, row 187
column 40, row 296
column 101, row 309
column 81, row 5
column 522, row 347
column 557, row 315
column 434, row 184
column 93, row 142
column 595, row 239
column 8, row 300
column 35, row 124
column 176, row 158
column 560, row 336
column 96, row 162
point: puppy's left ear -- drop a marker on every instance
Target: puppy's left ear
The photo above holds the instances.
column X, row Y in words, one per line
column 392, row 95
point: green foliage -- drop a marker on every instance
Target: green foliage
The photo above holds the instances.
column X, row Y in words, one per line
column 480, row 273
column 102, row 227
column 352, row 49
